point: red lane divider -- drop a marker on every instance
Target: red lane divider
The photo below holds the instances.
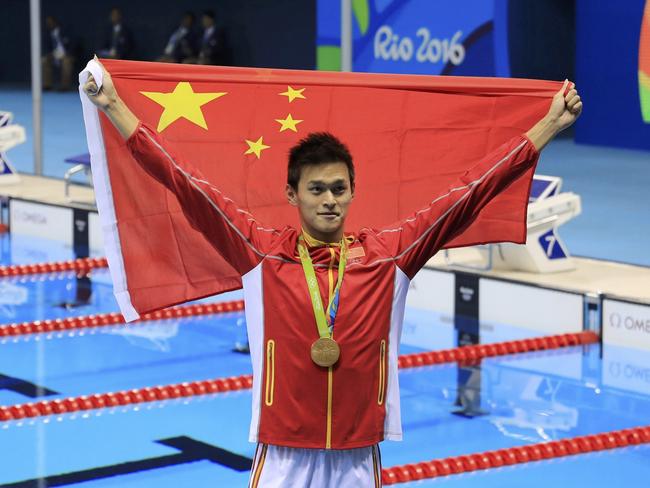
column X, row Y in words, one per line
column 81, row 266
column 516, row 455
column 125, row 397
column 107, row 319
column 196, row 388
column 479, row 351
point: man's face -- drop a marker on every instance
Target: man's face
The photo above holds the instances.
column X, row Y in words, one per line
column 187, row 21
column 207, row 21
column 323, row 196
column 116, row 16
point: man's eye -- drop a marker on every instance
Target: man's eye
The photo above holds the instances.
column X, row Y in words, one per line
column 339, row 189
column 316, row 189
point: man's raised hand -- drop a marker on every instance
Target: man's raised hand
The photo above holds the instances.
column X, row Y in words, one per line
column 105, row 96
column 106, row 99
column 566, row 106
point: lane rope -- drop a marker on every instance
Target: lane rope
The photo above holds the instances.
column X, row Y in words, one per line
column 109, row 319
column 474, row 353
column 125, row 397
column 516, row 455
column 244, row 382
column 81, row 266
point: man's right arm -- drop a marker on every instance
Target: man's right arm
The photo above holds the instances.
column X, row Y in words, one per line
column 122, row 118
column 232, row 231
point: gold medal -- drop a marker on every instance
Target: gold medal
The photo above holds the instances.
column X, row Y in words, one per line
column 325, row 352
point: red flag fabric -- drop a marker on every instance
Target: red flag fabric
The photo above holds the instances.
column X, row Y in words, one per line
column 410, row 136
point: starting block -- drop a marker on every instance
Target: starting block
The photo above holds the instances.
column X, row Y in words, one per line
column 544, row 251
column 81, row 164
column 10, row 136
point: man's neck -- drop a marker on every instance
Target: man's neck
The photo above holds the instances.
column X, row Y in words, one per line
column 322, row 238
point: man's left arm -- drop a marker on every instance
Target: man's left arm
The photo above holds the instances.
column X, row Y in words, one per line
column 416, row 239
column 566, row 107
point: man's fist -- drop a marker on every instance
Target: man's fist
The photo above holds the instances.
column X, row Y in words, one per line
column 566, row 106
column 102, row 96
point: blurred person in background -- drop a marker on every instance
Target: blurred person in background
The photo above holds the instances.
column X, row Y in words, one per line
column 118, row 43
column 182, row 44
column 212, row 49
column 57, row 57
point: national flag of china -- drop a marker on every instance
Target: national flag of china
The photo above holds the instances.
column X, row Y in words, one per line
column 410, row 137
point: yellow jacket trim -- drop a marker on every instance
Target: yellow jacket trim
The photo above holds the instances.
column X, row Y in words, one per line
column 382, row 373
column 270, row 372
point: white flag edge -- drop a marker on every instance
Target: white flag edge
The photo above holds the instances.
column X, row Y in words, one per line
column 104, row 193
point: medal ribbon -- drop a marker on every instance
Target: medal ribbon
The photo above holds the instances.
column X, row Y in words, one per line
column 325, row 326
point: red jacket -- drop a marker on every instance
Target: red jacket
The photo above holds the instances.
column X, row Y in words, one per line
column 356, row 402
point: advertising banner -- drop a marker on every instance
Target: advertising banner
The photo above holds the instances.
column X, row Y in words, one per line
column 626, row 324
column 540, row 311
column 626, row 345
column 37, row 220
column 467, row 37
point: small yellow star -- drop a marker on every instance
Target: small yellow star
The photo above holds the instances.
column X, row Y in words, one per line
column 292, row 94
column 288, row 123
column 256, row 147
column 183, row 102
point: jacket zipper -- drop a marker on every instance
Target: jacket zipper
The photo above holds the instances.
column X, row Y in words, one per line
column 330, row 371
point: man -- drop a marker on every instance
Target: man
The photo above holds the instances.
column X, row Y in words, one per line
column 212, row 49
column 182, row 43
column 58, row 56
column 119, row 41
column 324, row 309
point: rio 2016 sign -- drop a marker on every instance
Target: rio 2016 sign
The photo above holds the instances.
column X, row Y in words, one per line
column 389, row 46
column 418, row 36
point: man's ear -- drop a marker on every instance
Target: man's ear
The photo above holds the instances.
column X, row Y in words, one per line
column 292, row 197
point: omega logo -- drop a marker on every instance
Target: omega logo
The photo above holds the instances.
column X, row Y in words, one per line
column 615, row 320
column 629, row 322
column 33, row 217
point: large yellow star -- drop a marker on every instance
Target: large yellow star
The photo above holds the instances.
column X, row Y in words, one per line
column 182, row 102
column 256, row 147
column 292, row 94
column 288, row 123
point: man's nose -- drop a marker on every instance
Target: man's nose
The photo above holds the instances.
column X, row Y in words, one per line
column 328, row 199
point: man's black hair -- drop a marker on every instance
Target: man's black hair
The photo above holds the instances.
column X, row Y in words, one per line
column 209, row 13
column 318, row 148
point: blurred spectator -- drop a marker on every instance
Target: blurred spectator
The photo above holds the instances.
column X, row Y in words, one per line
column 57, row 57
column 119, row 42
column 182, row 42
column 212, row 49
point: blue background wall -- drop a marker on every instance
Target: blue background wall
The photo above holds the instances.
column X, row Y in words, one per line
column 542, row 38
column 606, row 71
